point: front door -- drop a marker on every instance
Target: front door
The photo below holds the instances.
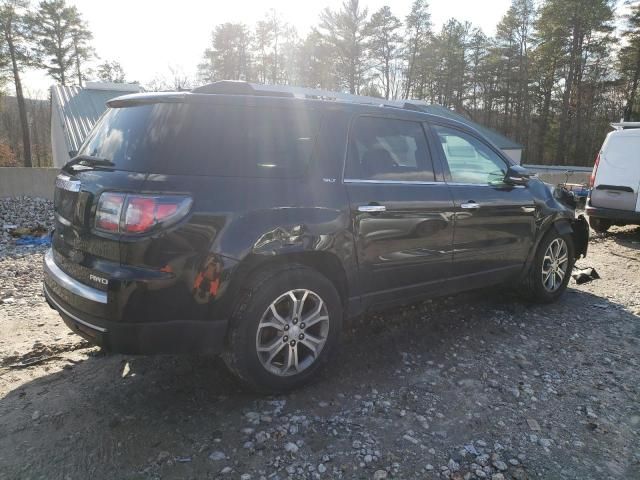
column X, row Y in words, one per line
column 402, row 211
column 495, row 222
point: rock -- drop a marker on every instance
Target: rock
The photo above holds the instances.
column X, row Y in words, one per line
column 411, row 439
column 36, row 415
column 533, row 424
column 226, row 470
column 248, row 445
column 497, row 476
column 262, row 437
column 163, row 457
column 544, row 442
column 381, row 475
column 368, row 459
column 291, row 447
column 500, row 465
column 322, row 468
column 217, row 456
column 428, row 467
column 245, row 476
column 453, row 465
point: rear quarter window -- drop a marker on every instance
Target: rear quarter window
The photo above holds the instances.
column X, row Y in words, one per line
column 207, row 139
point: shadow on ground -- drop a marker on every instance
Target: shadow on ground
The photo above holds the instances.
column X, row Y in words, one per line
column 88, row 421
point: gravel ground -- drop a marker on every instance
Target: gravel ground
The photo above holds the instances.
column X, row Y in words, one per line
column 479, row 385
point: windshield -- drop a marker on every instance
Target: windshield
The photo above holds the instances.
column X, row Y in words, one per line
column 181, row 138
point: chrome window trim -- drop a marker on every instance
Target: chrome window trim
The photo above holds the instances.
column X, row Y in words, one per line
column 71, row 284
column 71, row 315
column 65, row 183
column 393, row 182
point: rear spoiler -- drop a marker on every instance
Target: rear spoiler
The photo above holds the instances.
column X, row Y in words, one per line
column 146, row 99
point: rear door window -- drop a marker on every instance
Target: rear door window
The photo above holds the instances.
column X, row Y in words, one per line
column 206, row 139
column 388, row 149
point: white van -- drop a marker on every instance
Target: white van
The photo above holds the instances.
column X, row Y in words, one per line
column 615, row 181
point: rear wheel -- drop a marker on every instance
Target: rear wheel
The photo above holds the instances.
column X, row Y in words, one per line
column 284, row 328
column 551, row 269
column 599, row 225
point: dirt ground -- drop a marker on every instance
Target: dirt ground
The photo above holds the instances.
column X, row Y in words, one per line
column 479, row 385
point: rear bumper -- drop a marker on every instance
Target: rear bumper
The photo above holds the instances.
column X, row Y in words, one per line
column 616, row 216
column 179, row 336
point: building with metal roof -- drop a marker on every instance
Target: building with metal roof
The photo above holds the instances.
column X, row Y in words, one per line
column 74, row 112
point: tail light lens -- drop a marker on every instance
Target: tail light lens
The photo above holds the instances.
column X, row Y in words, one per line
column 136, row 214
column 592, row 180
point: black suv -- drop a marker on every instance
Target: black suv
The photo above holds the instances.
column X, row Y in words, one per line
column 251, row 223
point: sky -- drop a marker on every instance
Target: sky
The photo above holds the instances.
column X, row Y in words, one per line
column 150, row 37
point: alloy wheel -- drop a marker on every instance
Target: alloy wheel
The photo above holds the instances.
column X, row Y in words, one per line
column 555, row 264
column 292, row 332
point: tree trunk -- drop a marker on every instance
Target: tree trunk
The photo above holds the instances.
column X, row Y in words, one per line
column 78, row 71
column 26, row 139
column 628, row 110
column 561, row 154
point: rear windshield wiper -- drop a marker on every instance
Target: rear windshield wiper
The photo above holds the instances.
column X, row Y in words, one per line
column 90, row 161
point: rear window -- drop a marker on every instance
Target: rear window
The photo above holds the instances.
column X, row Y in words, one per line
column 188, row 139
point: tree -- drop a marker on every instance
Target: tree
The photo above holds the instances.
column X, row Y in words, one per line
column 418, row 26
column 61, row 39
column 344, row 30
column 315, row 62
column 629, row 60
column 579, row 29
column 228, row 56
column 384, row 46
column 111, row 71
column 82, row 51
column 14, row 30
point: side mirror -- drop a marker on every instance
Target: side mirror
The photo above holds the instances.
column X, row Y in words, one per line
column 518, row 175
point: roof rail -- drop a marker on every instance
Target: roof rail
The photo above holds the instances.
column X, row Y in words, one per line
column 625, row 125
column 236, row 87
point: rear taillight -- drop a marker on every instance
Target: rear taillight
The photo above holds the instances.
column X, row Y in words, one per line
column 592, row 180
column 135, row 214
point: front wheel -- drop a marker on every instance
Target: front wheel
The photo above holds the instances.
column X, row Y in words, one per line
column 284, row 328
column 551, row 269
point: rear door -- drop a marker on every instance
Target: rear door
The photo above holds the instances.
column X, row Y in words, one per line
column 495, row 222
column 617, row 180
column 402, row 211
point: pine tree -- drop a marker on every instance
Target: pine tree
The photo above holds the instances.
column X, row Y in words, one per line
column 228, row 57
column 384, row 47
column 14, row 31
column 345, row 31
column 60, row 38
column 418, row 26
column 629, row 62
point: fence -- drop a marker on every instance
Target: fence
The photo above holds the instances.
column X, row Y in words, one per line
column 32, row 182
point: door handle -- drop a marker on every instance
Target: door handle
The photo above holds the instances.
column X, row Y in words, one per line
column 372, row 208
column 470, row 205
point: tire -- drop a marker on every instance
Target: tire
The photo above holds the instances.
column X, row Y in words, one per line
column 599, row 225
column 256, row 334
column 538, row 285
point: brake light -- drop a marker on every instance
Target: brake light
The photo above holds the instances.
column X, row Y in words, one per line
column 592, row 180
column 135, row 214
